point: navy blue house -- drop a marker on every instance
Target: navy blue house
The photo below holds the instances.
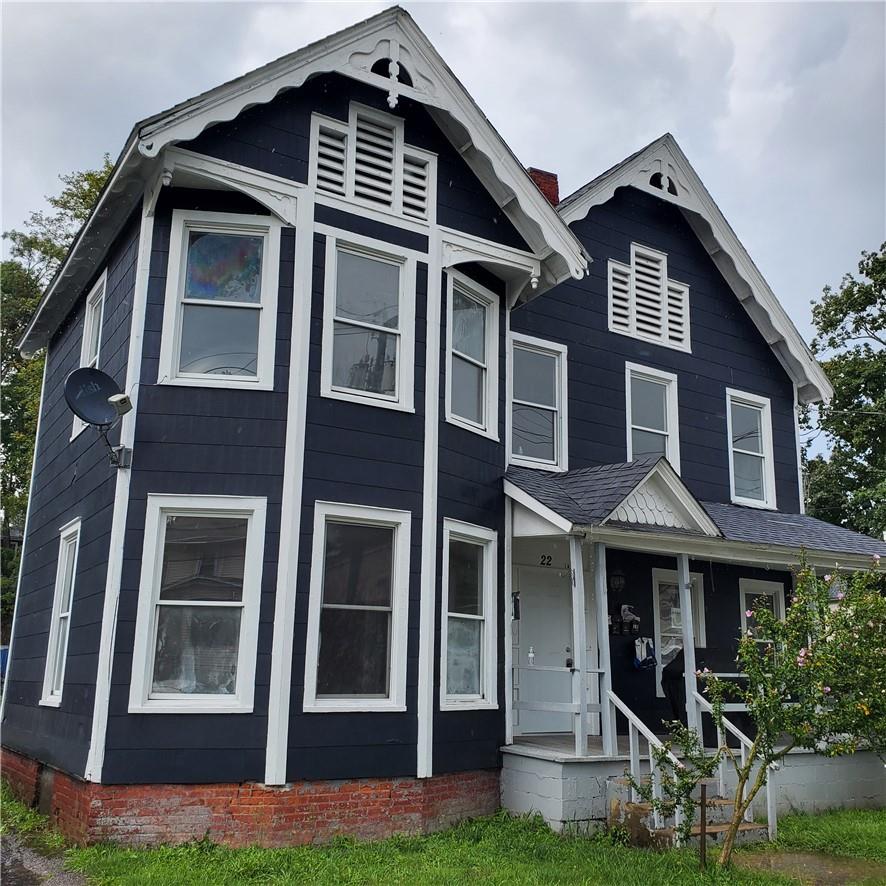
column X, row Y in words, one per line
column 418, row 454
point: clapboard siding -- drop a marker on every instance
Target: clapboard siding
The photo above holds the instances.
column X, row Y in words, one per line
column 276, row 138
column 202, row 441
column 727, row 351
column 72, row 479
column 470, row 489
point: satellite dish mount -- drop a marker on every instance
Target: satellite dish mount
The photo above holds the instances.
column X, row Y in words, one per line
column 93, row 396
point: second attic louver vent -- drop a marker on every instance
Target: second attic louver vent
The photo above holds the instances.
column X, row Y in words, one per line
column 367, row 161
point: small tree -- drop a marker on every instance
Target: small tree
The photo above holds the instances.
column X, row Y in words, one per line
column 814, row 680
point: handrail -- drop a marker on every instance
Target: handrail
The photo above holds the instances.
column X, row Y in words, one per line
column 640, row 726
column 731, row 727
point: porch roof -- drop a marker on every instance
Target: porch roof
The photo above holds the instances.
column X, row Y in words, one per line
column 646, row 497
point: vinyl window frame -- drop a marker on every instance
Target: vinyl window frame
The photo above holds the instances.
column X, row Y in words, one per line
column 185, row 221
column 60, row 624
column 487, row 539
column 755, row 587
column 378, row 250
column 672, row 410
column 90, row 351
column 671, row 576
column 490, row 301
column 560, row 462
column 160, row 506
column 400, row 522
column 763, row 404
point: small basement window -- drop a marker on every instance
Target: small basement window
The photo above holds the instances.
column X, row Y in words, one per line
column 197, row 623
column 220, row 314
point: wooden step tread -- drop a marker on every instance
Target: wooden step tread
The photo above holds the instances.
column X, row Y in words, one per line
column 716, row 829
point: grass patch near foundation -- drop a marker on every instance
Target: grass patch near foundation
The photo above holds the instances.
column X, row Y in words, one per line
column 498, row 850
column 33, row 828
column 855, row 833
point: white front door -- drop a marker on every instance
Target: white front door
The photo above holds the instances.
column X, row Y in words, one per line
column 545, row 627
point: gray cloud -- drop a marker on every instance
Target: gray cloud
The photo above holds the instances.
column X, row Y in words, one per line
column 780, row 107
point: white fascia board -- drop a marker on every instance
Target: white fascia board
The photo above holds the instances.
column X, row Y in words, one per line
column 722, row 244
column 524, row 498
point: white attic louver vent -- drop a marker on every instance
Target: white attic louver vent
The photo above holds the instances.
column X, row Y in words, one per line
column 415, row 186
column 374, row 153
column 644, row 303
column 331, row 160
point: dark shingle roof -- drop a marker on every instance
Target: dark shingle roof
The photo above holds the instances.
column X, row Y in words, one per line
column 791, row 530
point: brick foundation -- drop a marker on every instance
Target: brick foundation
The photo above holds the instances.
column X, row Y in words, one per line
column 251, row 814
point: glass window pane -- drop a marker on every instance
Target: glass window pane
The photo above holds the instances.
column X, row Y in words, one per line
column 368, row 290
column 746, row 428
column 758, row 601
column 645, row 443
column 748, row 470
column 364, row 360
column 465, row 577
column 463, row 656
column 358, row 568
column 648, row 404
column 61, row 653
column 354, row 652
column 535, row 377
column 203, row 558
column 92, row 330
column 69, row 555
column 224, row 267
column 468, row 326
column 671, row 621
column 196, row 649
column 533, row 432
column 219, row 341
column 468, row 390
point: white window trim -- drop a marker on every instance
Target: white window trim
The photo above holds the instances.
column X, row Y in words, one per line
column 765, row 407
column 670, row 576
column 400, row 521
column 561, row 463
column 377, row 249
column 349, row 202
column 266, row 226
column 755, row 587
column 94, row 301
column 488, row 540
column 68, row 534
column 669, row 380
column 489, row 300
column 158, row 507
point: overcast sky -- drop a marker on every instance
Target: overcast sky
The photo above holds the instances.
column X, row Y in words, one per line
column 780, row 107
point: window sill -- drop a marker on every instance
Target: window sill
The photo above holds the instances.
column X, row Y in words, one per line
column 356, row 706
column 474, row 429
column 752, row 503
column 517, row 462
column 472, row 705
column 77, row 429
column 188, row 707
column 51, row 701
column 347, row 397
column 241, row 384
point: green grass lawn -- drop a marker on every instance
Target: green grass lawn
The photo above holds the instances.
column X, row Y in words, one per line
column 853, row 833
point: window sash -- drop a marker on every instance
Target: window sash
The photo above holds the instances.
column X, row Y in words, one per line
column 554, row 409
column 62, row 607
column 763, row 456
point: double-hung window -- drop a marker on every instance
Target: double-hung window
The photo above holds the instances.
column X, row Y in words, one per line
column 62, row 601
column 538, row 423
column 756, row 593
column 468, row 638
column 751, row 460
column 472, row 356
column 668, row 617
column 221, row 300
column 357, row 612
column 197, row 623
column 652, row 416
column 93, row 320
column 368, row 324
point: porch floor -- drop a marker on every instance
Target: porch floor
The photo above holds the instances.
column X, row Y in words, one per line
column 560, row 747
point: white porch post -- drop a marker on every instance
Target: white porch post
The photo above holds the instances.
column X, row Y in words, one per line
column 579, row 651
column 601, row 600
column 692, row 718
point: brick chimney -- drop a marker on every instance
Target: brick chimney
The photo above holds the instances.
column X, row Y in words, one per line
column 547, row 184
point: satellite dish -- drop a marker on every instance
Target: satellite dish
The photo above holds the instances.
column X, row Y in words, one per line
column 86, row 393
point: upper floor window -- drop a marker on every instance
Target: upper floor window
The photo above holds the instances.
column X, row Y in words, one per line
column 538, row 435
column 60, row 626
column 468, row 636
column 644, row 303
column 472, row 356
column 366, row 160
column 368, row 323
column 90, row 347
column 652, row 417
column 221, row 300
column 355, row 656
column 751, row 460
column 197, row 623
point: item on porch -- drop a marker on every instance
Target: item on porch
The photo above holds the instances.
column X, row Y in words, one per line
column 644, row 654
column 630, row 619
column 531, row 656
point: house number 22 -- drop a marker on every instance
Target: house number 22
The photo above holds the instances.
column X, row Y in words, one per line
column 545, row 560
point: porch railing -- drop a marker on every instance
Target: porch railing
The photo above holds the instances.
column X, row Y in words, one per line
column 637, row 729
column 744, row 746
